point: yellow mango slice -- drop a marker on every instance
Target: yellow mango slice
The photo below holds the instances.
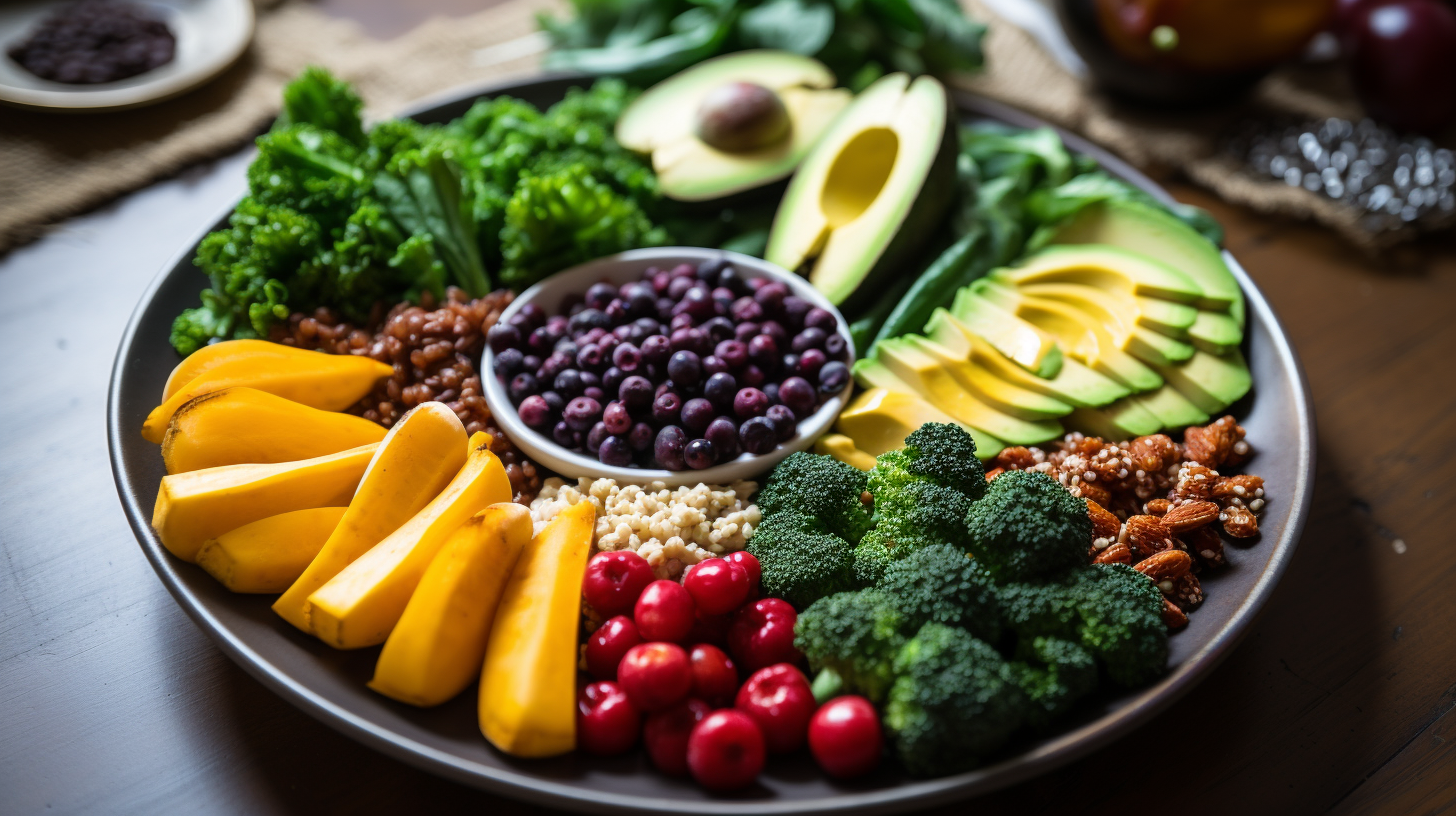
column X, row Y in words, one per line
column 331, row 382
column 418, row 457
column 238, row 426
column 359, row 606
column 436, row 649
column 269, row 554
column 528, row 683
column 207, row 357
column 202, row 504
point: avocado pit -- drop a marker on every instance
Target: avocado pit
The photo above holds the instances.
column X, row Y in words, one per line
column 741, row 116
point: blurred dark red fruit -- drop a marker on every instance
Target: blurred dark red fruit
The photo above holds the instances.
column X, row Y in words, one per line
column 845, row 737
column 745, row 559
column 606, row 646
column 778, row 698
column 715, row 677
column 607, row 722
column 762, row 634
column 664, row 612
column 1403, row 59
column 725, row 751
column 614, row 580
column 718, row 586
column 710, row 629
column 655, row 675
column 666, row 733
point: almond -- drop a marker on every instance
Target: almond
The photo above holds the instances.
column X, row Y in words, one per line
column 1173, row 617
column 1116, row 554
column 1104, row 524
column 1189, row 516
column 1168, row 565
column 1205, row 543
column 1157, row 507
column 1145, row 535
column 1239, row 522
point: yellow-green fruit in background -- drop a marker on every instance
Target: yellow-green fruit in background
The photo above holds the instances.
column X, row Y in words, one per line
column 360, row 606
column 237, row 426
column 418, row 457
column 203, row 504
column 528, row 683
column 437, row 648
column 842, row 448
column 269, row 554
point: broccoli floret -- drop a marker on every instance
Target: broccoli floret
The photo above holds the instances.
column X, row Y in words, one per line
column 940, row 584
column 1026, row 526
column 954, row 701
column 946, row 454
column 1053, row 674
column 912, row 513
column 800, row 559
column 854, row 635
column 871, row 559
column 822, row 487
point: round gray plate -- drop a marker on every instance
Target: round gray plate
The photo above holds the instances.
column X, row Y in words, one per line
column 331, row 685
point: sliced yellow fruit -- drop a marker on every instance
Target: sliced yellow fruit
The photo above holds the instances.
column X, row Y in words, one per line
column 269, row 554
column 237, row 426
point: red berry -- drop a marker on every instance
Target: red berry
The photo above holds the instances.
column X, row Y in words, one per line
column 717, row 586
column 606, row 646
column 655, row 675
column 607, row 722
column 762, row 634
column 845, row 737
column 614, row 580
column 715, row 678
column 745, row 559
column 725, row 751
column 710, row 629
column 665, row 734
column 778, row 698
column 664, row 612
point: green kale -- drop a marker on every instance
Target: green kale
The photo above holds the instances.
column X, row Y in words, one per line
column 1027, row 525
column 316, row 98
column 424, row 192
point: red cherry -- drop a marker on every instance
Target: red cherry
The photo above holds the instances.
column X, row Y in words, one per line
column 725, row 751
column 607, row 722
column 614, row 580
column 778, row 698
column 1403, row 62
column 762, row 634
column 664, row 612
column 715, row 677
column 745, row 559
column 665, row 734
column 606, row 646
column 717, row 586
column 845, row 737
column 655, row 675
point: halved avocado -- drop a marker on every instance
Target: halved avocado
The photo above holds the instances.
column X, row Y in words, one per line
column 1024, row 344
column 917, row 374
column 1121, row 316
column 1075, row 384
column 879, row 419
column 998, row 393
column 1106, row 267
column 664, row 122
column 870, row 192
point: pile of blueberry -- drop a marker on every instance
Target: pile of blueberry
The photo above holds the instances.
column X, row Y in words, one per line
column 686, row 368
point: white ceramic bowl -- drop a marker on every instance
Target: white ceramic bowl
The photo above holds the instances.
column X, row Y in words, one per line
column 619, row 269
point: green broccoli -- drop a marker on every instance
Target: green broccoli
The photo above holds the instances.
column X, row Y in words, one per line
column 912, row 513
column 940, row 584
column 1053, row 674
column 853, row 636
column 954, row 701
column 871, row 559
column 822, row 487
column 1027, row 526
column 801, row 560
column 946, row 454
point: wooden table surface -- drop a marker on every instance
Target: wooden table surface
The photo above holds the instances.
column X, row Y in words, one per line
column 1340, row 699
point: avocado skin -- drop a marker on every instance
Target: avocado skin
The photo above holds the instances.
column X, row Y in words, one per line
column 932, row 202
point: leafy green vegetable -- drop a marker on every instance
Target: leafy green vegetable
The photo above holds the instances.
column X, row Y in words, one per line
column 317, row 98
column 424, row 192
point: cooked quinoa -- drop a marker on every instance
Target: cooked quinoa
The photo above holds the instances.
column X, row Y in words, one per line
column 672, row 528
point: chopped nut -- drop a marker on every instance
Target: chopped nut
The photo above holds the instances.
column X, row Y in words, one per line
column 1015, row 458
column 1154, row 453
column 1205, row 543
column 994, row 472
column 1240, row 522
column 1211, row 445
column 1187, row 592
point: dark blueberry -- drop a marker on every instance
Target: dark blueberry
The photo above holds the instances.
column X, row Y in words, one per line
column 789, row 362
column 569, row 383
column 724, row 295
column 746, row 310
column 508, row 362
column 530, row 362
column 592, row 356
column 660, row 282
column 749, row 402
column 743, row 332
column 635, row 392
column 698, row 302
column 503, row 336
column 795, row 309
column 581, row 413
column 723, row 433
column 667, row 409
column 588, row 319
column 565, row 346
column 564, row 435
column 612, row 379
column 711, row 269
column 771, row 296
column 541, row 341
column 700, row 454
column 697, row 413
column 810, row 362
column 718, row 329
column 798, row 395
column 668, row 448
column 685, row 368
column 763, row 352
column 656, row 349
column 775, row 329
column 623, row 332
column 641, row 300
column 553, row 365
column 523, row 385
column 755, row 284
column 784, row 421
column 648, row 325
column 641, row 436
column 664, row 308
column 683, row 270
column 558, row 325
column 594, row 392
column 809, row 338
column 720, row 389
column 758, row 436
column 833, row 377
column 592, row 335
column 821, row 319
column 836, row 347
column 733, row 353
column 522, row 323
column 590, row 380
column 730, row 279
column 618, row 420
column 649, row 273
column 595, row 436
column 679, row 322
column 617, row 311
column 608, row 343
column 626, row 357
column 678, row 288
column 598, row 295
column 662, row 388
column 576, row 308
column 712, row 364
column 752, row 376
column 555, row 401
column 683, row 339
column 615, row 452
column 535, row 412
column 533, row 314
column 771, row 390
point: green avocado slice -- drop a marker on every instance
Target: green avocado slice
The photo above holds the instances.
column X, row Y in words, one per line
column 1123, row 318
column 1171, row 408
column 1120, row 420
column 871, row 373
column 1105, row 267
column 990, row 389
column 905, row 369
column 1212, row 382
